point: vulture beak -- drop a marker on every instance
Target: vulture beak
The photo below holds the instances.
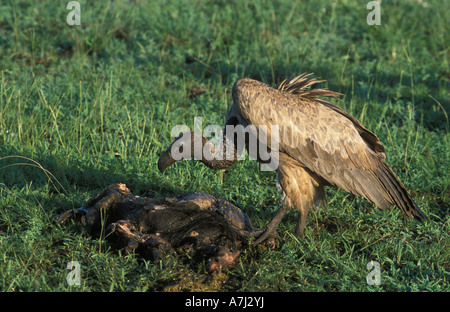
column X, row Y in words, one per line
column 183, row 142
column 165, row 161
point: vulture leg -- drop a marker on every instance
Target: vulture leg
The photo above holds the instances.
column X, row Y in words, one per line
column 300, row 188
column 271, row 228
column 312, row 193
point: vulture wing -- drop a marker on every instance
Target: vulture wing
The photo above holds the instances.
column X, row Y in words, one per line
column 323, row 137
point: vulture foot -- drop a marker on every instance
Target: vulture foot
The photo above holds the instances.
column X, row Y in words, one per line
column 268, row 237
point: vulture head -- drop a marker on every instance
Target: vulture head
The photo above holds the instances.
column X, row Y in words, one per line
column 182, row 145
column 194, row 145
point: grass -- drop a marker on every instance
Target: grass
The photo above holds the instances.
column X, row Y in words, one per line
column 85, row 106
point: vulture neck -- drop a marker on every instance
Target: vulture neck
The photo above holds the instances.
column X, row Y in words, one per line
column 217, row 157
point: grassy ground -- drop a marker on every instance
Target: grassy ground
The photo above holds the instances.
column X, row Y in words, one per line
column 86, row 106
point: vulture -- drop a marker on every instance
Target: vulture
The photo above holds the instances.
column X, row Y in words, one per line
column 318, row 145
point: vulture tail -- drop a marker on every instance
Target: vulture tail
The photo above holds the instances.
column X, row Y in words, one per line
column 397, row 192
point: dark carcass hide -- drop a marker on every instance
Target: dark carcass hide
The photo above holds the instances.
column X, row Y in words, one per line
column 198, row 223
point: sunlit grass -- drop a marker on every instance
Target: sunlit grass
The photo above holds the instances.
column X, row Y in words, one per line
column 85, row 106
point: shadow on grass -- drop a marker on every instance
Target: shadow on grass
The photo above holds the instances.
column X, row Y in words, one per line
column 381, row 86
column 57, row 176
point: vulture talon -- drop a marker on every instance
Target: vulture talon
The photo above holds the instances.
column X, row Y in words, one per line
column 261, row 238
column 248, row 234
column 268, row 237
column 256, row 233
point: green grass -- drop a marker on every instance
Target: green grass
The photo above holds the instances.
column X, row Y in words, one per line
column 87, row 106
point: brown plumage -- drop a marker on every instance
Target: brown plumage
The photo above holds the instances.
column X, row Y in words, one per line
column 319, row 145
